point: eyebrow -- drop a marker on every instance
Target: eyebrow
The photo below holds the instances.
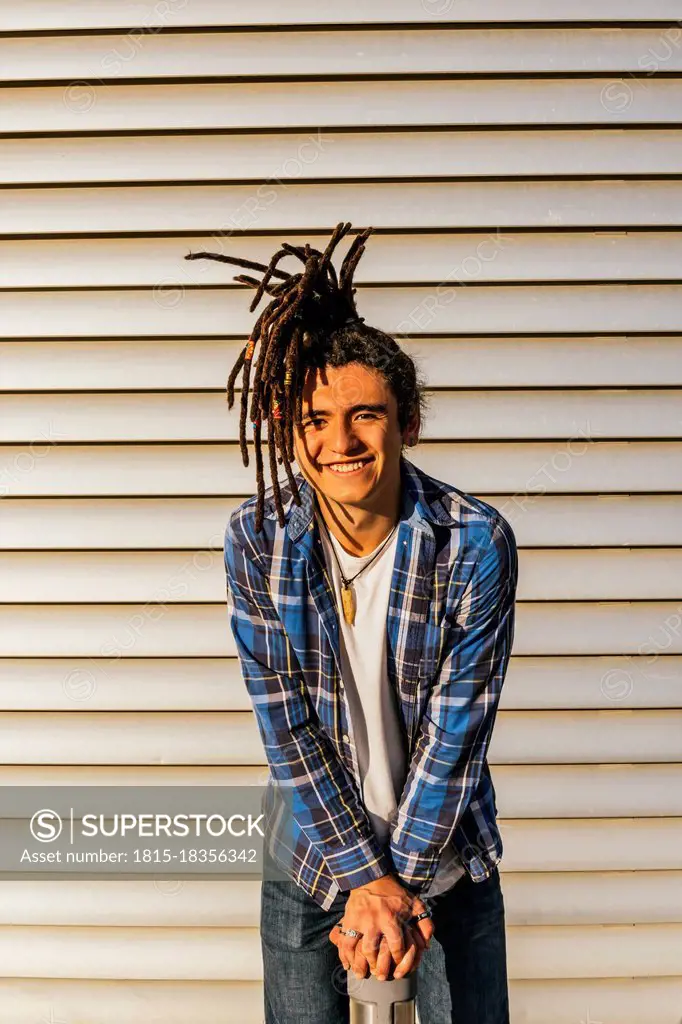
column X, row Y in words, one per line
column 369, row 407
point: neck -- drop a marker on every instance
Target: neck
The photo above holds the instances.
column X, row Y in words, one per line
column 360, row 530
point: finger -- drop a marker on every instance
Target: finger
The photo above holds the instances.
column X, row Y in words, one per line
column 407, row 962
column 425, row 926
column 417, row 937
column 395, row 937
column 346, row 943
column 335, row 938
column 384, row 961
column 347, row 948
column 369, row 946
column 420, row 943
column 359, row 963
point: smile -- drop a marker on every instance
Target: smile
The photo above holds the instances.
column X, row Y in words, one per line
column 349, row 468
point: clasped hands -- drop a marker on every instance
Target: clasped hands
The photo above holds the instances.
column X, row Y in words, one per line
column 381, row 911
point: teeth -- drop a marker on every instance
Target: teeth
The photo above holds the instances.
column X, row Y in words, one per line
column 342, row 468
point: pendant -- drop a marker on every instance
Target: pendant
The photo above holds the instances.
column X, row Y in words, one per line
column 348, row 604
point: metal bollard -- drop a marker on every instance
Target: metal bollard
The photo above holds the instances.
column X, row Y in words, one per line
column 382, row 1002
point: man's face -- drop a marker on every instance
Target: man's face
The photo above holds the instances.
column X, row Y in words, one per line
column 349, row 414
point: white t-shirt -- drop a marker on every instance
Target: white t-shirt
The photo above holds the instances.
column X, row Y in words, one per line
column 380, row 738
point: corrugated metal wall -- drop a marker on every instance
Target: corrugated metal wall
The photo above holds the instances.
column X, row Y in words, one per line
column 521, row 163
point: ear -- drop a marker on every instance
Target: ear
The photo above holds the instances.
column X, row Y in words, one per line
column 410, row 434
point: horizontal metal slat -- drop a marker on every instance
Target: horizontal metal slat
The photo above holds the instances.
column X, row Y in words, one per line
column 545, row 952
column 205, row 684
column 132, row 775
column 581, row 844
column 534, row 793
column 539, row 521
column 25, row 1000
column 289, row 156
column 542, row 898
column 525, row 469
column 228, row 954
column 226, row 210
column 626, row 1000
column 231, row 954
column 169, row 577
column 587, row 790
column 356, row 51
column 45, row 15
column 100, row 364
column 232, row 738
column 523, row 791
column 171, row 310
column 600, row 574
column 635, row 1000
column 390, row 259
column 85, row 107
column 465, row 415
column 649, row 680
column 177, row 630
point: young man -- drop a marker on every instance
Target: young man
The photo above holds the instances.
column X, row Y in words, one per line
column 372, row 606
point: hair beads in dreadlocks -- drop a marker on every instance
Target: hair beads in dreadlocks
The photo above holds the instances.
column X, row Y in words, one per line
column 302, row 305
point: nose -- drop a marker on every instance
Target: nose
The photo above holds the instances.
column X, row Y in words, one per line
column 343, row 439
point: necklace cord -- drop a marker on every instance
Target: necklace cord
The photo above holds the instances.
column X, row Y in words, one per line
column 347, row 582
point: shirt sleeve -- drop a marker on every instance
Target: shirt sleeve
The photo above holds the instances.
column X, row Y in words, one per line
column 456, row 727
column 323, row 798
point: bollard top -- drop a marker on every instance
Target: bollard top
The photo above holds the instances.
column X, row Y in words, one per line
column 382, row 992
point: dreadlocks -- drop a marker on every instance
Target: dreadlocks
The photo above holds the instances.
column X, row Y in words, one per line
column 307, row 310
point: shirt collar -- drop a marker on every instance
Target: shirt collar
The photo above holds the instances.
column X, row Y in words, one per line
column 421, row 501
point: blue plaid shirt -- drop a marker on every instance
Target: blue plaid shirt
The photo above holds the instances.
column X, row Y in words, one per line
column 449, row 632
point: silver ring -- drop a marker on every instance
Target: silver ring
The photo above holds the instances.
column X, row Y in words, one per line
column 424, row 913
column 351, row 931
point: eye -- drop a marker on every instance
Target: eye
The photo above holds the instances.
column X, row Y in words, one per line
column 319, row 419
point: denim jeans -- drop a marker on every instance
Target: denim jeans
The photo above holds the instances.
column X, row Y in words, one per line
column 462, row 978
